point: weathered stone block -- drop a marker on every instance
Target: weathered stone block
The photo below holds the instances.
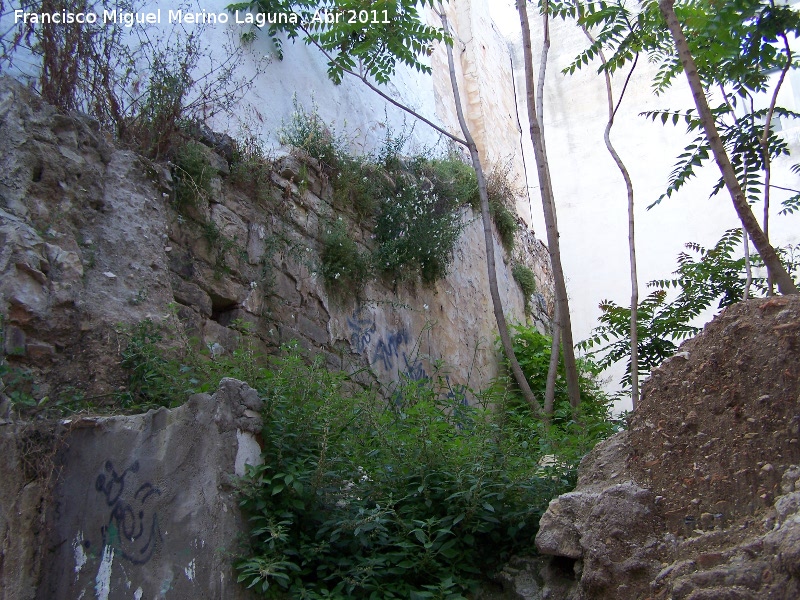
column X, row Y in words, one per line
column 14, row 341
column 213, row 333
column 190, row 294
column 229, row 224
column 312, row 330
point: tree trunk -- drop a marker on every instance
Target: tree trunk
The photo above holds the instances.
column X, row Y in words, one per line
column 612, row 112
column 774, row 267
column 552, row 370
column 497, row 305
column 549, row 209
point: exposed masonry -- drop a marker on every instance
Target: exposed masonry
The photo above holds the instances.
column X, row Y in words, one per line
column 91, row 240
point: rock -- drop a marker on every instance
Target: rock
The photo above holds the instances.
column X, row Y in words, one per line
column 668, row 509
column 213, row 332
column 222, row 143
column 789, row 479
column 190, row 294
column 14, row 341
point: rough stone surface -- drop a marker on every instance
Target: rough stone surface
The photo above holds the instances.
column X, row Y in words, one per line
column 90, row 239
column 139, row 507
column 699, row 498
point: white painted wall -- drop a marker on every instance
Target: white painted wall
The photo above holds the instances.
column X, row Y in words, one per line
column 350, row 107
column 590, row 193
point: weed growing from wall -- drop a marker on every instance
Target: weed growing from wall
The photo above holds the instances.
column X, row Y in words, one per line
column 416, row 231
column 251, row 170
column 345, row 268
column 359, row 185
column 307, row 131
column 140, row 83
column 414, row 200
column 503, row 194
column 193, row 174
column 526, row 280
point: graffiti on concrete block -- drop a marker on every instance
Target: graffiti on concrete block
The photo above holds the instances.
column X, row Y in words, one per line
column 132, row 529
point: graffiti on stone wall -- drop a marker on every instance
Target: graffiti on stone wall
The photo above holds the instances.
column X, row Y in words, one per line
column 361, row 330
column 132, row 529
column 391, row 349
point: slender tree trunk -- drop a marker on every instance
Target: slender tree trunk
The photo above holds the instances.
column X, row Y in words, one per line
column 549, row 209
column 552, row 369
column 764, row 143
column 612, row 113
column 747, row 267
column 497, row 304
column 774, row 267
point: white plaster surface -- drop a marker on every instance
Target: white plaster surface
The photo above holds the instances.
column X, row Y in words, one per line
column 589, row 190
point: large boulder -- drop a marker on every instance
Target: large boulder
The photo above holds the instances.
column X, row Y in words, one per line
column 699, row 498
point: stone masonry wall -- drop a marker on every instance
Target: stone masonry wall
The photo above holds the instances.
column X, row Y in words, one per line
column 90, row 240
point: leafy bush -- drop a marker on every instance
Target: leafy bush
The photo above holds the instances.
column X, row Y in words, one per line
column 705, row 278
column 193, row 174
column 506, row 222
column 416, row 231
column 503, row 194
column 450, row 178
column 357, row 498
column 526, row 280
column 251, row 169
column 415, row 200
column 359, row 185
column 164, row 368
column 345, row 268
column 574, row 432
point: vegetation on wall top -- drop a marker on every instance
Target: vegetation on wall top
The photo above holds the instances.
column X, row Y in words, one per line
column 413, row 202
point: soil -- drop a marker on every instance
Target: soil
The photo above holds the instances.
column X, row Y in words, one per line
column 718, row 423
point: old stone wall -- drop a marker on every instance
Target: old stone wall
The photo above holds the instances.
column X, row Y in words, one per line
column 92, row 240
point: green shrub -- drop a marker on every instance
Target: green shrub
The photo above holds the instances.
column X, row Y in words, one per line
column 503, row 194
column 306, row 131
column 251, row 170
column 574, row 432
column 526, row 280
column 356, row 498
column 456, row 180
column 451, row 178
column 359, row 185
column 506, row 223
column 193, row 174
column 345, row 268
column 416, row 231
column 164, row 369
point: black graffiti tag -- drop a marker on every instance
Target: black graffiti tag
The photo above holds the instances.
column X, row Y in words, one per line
column 132, row 528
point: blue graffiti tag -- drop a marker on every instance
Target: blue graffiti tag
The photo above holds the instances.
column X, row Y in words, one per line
column 132, row 528
column 362, row 330
column 387, row 351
